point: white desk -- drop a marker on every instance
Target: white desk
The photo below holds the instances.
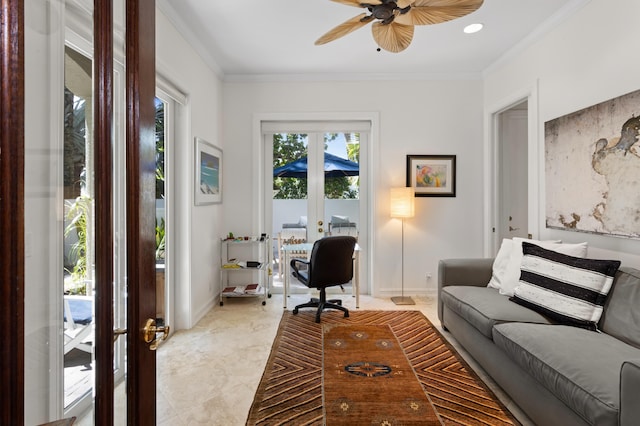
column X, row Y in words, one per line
column 288, row 248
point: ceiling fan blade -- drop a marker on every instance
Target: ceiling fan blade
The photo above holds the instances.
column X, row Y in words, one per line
column 442, row 3
column 404, row 3
column 358, row 3
column 392, row 37
column 429, row 15
column 343, row 29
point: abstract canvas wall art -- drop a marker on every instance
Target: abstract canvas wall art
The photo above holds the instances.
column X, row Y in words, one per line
column 592, row 168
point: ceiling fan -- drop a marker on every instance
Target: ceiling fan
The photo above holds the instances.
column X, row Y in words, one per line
column 395, row 19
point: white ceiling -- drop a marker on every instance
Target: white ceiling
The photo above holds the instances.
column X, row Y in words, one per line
column 271, row 39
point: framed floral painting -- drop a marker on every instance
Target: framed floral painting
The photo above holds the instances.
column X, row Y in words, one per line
column 432, row 175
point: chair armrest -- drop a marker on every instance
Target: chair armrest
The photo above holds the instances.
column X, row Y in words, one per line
column 629, row 391
column 295, row 261
column 303, row 277
column 468, row 272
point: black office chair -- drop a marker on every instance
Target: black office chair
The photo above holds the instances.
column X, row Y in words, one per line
column 330, row 264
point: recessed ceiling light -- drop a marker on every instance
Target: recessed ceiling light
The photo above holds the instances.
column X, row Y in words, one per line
column 473, row 28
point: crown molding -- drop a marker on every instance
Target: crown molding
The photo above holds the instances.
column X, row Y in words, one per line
column 270, row 78
column 185, row 30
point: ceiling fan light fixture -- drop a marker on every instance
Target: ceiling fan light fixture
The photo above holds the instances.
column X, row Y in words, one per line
column 394, row 20
column 473, row 28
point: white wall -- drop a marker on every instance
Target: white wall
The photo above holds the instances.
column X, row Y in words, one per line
column 196, row 247
column 590, row 58
column 416, row 117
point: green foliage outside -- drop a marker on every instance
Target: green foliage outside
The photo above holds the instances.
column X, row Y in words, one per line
column 159, row 149
column 74, row 143
column 160, row 239
column 160, row 177
column 78, row 215
column 288, row 147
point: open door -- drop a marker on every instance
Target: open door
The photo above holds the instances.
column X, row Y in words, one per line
column 32, row 251
column 513, row 216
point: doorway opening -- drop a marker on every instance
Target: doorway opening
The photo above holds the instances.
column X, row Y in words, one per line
column 316, row 190
column 513, row 216
column 512, row 166
column 79, row 238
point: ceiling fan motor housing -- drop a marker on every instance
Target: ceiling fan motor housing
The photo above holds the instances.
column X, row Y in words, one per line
column 384, row 12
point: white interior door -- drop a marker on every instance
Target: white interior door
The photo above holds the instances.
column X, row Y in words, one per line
column 513, row 189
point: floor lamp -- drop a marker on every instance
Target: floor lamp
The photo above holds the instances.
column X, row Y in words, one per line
column 402, row 206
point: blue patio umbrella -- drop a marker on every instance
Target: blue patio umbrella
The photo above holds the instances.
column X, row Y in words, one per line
column 334, row 166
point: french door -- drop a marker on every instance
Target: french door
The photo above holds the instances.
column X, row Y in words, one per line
column 107, row 176
column 314, row 180
column 319, row 181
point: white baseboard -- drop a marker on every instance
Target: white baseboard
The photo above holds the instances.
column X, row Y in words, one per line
column 204, row 310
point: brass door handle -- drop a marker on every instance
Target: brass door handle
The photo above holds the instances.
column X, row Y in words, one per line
column 118, row 332
column 150, row 331
column 511, row 229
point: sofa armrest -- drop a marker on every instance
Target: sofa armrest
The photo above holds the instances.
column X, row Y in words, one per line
column 473, row 272
column 629, row 391
column 469, row 272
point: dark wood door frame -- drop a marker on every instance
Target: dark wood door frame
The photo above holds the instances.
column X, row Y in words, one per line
column 12, row 212
column 140, row 36
column 141, row 148
column 103, row 162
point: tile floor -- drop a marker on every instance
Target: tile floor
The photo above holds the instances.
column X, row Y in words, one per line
column 208, row 375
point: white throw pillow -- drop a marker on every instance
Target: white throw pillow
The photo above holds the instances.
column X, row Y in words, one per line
column 512, row 274
column 501, row 272
column 500, row 264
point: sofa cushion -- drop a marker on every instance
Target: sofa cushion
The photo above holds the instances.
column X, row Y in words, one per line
column 621, row 316
column 568, row 289
column 580, row 367
column 515, row 260
column 483, row 307
column 506, row 266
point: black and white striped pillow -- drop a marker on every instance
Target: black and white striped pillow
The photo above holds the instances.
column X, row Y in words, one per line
column 570, row 290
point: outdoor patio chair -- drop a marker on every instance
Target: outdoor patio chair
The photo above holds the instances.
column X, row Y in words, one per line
column 78, row 323
column 340, row 225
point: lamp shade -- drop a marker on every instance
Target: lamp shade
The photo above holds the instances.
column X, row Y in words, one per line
column 402, row 202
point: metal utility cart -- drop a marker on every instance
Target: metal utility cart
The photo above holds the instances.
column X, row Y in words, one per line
column 245, row 267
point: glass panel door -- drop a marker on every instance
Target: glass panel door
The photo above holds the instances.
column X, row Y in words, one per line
column 163, row 136
column 78, row 268
column 315, row 189
column 75, row 213
column 290, row 193
column 342, row 183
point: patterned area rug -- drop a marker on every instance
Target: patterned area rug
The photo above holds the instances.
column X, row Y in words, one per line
column 291, row 389
column 367, row 379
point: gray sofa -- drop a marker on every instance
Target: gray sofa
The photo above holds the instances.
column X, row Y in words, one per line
column 557, row 374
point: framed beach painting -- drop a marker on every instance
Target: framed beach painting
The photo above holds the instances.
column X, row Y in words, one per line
column 208, row 175
column 432, row 175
